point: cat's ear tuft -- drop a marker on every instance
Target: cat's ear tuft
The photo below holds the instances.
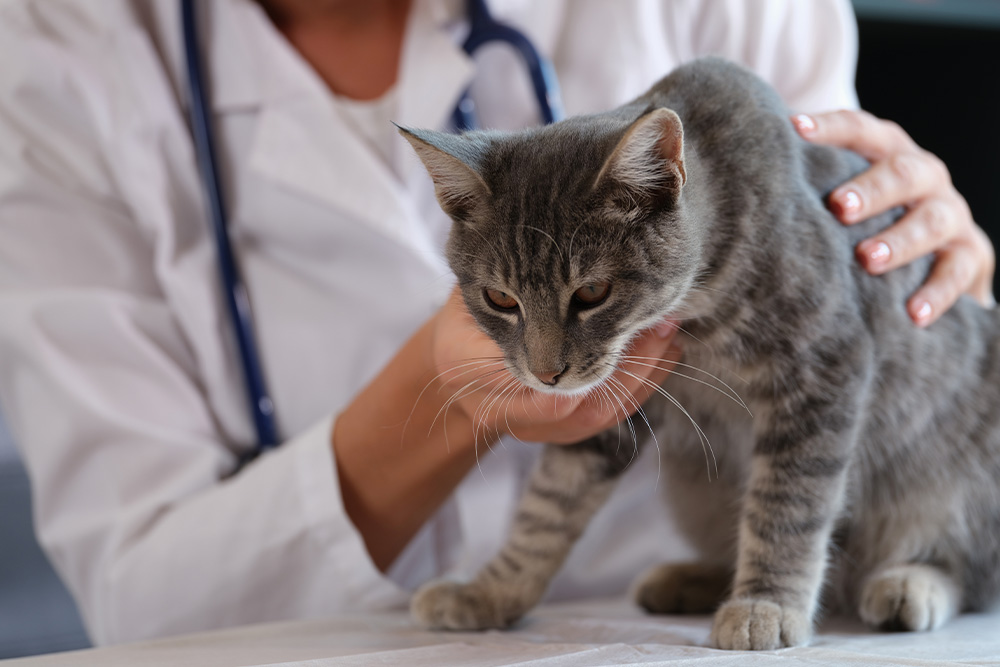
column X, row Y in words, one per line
column 647, row 165
column 451, row 162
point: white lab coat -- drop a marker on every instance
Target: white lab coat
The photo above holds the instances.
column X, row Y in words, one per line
column 117, row 374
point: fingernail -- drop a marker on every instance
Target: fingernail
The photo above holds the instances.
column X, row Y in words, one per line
column 922, row 312
column 846, row 204
column 876, row 253
column 805, row 125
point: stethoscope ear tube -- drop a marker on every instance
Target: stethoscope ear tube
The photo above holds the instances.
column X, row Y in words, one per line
column 483, row 29
column 234, row 290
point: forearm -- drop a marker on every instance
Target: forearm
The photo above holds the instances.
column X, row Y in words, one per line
column 398, row 459
column 399, row 455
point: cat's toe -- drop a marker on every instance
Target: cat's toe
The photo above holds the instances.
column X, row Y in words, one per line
column 447, row 605
column 908, row 598
column 683, row 588
column 759, row 625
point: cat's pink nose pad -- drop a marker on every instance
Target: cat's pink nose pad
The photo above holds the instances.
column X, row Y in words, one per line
column 549, row 377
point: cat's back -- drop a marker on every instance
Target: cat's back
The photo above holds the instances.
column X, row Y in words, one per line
column 722, row 103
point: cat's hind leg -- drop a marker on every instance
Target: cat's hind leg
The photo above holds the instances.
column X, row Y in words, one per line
column 684, row 588
column 909, row 597
column 566, row 488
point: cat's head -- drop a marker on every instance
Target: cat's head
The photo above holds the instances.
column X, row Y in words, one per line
column 568, row 239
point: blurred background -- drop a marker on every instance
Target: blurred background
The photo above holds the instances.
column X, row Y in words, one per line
column 933, row 66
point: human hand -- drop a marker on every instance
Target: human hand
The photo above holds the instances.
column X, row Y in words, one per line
column 937, row 220
column 472, row 373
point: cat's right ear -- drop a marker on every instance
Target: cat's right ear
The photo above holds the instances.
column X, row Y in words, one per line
column 646, row 168
column 451, row 162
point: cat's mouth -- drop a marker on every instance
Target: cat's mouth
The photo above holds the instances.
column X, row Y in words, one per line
column 628, row 355
column 574, row 382
column 571, row 387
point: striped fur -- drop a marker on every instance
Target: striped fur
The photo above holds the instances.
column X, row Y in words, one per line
column 871, row 460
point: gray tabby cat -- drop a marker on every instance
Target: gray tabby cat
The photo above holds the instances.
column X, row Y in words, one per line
column 871, row 440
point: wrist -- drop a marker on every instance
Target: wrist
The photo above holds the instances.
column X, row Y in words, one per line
column 398, row 455
column 439, row 392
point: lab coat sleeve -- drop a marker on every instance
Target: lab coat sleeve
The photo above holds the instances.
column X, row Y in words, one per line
column 806, row 49
column 128, row 467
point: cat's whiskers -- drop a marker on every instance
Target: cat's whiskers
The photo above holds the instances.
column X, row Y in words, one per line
column 706, row 445
column 614, row 384
column 602, row 393
column 689, row 334
column 478, row 362
column 506, row 414
column 731, row 394
column 462, row 392
column 480, row 414
column 614, row 405
column 499, row 395
column 652, row 433
column 475, row 441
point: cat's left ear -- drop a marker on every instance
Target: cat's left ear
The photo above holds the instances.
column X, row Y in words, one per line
column 452, row 161
column 647, row 165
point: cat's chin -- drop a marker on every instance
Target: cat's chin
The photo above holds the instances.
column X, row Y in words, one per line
column 561, row 389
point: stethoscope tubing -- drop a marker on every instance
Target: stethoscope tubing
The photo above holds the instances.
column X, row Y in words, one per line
column 234, row 290
column 483, row 29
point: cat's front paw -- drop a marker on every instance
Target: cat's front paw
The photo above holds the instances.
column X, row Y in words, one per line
column 447, row 605
column 749, row 624
column 908, row 597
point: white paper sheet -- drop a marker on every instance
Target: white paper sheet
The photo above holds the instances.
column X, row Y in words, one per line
column 606, row 632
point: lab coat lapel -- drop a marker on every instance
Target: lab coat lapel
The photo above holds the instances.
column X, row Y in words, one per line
column 435, row 70
column 305, row 146
column 302, row 142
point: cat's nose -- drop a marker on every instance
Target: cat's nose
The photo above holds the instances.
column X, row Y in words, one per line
column 549, row 377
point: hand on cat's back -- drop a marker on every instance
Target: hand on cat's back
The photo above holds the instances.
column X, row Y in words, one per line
column 471, row 369
column 938, row 219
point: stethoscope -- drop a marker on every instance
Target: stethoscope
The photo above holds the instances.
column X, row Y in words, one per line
column 483, row 29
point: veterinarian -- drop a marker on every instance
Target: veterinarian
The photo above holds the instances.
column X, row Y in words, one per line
column 118, row 374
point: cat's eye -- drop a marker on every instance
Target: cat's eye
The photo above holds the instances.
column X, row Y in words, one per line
column 500, row 300
column 591, row 294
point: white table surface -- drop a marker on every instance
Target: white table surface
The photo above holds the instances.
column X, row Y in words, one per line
column 609, row 632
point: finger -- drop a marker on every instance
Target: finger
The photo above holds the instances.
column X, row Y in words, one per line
column 950, row 277
column 871, row 137
column 895, row 181
column 932, row 224
column 982, row 287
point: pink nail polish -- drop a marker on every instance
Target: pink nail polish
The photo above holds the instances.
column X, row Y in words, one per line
column 804, row 124
column 851, row 201
column 923, row 312
column 878, row 253
column 845, row 204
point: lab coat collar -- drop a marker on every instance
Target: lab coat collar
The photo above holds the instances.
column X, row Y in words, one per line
column 303, row 143
column 245, row 71
column 239, row 74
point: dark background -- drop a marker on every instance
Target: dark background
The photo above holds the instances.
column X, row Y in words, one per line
column 938, row 76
